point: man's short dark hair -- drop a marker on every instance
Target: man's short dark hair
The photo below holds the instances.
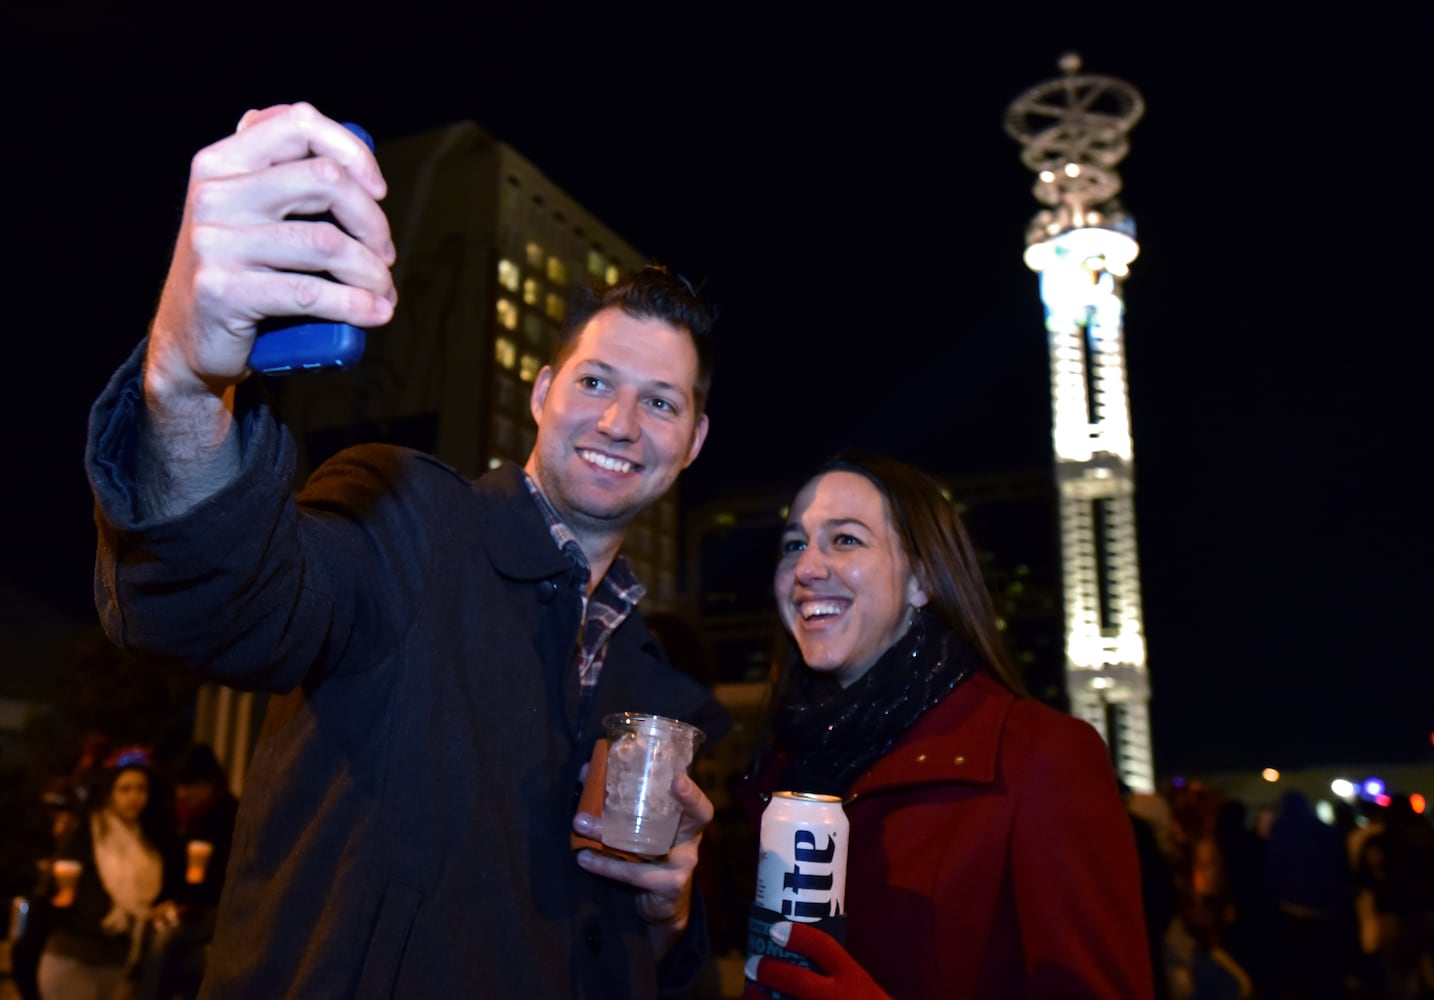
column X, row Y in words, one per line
column 653, row 292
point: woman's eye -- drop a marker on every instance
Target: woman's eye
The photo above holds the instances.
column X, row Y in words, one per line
column 793, row 545
column 846, row 540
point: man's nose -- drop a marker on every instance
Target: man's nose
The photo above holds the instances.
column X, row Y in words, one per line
column 619, row 418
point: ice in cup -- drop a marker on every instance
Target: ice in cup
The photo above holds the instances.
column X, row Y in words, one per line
column 66, row 872
column 645, row 754
column 198, row 856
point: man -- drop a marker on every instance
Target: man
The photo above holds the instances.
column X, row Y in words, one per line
column 444, row 650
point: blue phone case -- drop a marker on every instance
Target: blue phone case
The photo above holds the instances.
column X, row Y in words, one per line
column 300, row 343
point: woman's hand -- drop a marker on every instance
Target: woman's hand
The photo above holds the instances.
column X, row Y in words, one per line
column 165, row 916
column 843, row 978
column 117, row 921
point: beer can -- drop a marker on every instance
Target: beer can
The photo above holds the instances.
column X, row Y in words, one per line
column 801, row 870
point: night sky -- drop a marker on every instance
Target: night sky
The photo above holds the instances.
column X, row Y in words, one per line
column 845, row 189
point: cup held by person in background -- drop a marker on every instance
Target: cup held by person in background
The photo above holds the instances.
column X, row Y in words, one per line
column 66, row 873
column 199, row 853
column 645, row 754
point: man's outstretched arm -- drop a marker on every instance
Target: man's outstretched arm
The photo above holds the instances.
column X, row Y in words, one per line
column 240, row 259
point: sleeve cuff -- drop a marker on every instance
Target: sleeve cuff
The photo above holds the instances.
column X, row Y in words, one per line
column 678, row 972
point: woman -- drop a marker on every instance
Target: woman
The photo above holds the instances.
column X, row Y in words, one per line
column 99, row 927
column 990, row 854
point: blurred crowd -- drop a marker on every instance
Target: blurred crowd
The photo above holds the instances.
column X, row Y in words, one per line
column 1281, row 905
column 114, row 872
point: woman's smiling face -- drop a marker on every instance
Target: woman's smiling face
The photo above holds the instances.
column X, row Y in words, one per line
column 844, row 585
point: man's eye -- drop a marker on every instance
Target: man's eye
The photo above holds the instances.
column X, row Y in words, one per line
column 657, row 403
column 590, row 382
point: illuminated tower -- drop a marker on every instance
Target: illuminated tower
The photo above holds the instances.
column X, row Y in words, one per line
column 1073, row 133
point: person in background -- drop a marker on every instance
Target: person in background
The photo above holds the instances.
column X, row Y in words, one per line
column 1197, row 965
column 1306, row 870
column 205, row 810
column 29, row 833
column 990, row 853
column 1248, row 928
column 120, row 844
column 1151, row 819
column 1395, row 876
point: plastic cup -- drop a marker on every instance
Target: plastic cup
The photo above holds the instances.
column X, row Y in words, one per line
column 199, row 853
column 66, row 872
column 645, row 753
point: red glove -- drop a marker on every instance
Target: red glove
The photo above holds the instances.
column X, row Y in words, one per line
column 844, row 979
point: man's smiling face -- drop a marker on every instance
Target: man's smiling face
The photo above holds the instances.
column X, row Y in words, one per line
column 617, row 422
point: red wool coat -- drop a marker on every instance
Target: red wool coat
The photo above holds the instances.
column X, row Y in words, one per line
column 991, row 856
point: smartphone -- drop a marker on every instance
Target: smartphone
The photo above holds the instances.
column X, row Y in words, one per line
column 301, row 343
column 304, row 344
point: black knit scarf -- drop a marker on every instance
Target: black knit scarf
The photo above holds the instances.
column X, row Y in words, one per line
column 834, row 734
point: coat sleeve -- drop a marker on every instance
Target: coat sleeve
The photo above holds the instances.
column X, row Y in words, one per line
column 251, row 587
column 1075, row 873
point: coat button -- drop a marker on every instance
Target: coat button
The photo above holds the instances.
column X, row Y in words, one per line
column 959, row 759
column 547, row 590
column 592, row 937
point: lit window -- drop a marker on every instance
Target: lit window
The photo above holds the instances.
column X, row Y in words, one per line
column 530, row 291
column 535, row 255
column 596, row 264
column 505, row 352
column 612, row 274
column 557, row 271
column 508, row 313
column 555, row 307
column 528, row 368
column 508, row 274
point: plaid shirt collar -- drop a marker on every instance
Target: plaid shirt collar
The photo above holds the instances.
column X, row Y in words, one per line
column 614, row 598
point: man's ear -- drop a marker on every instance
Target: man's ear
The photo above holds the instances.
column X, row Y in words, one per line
column 539, row 396
column 699, row 435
